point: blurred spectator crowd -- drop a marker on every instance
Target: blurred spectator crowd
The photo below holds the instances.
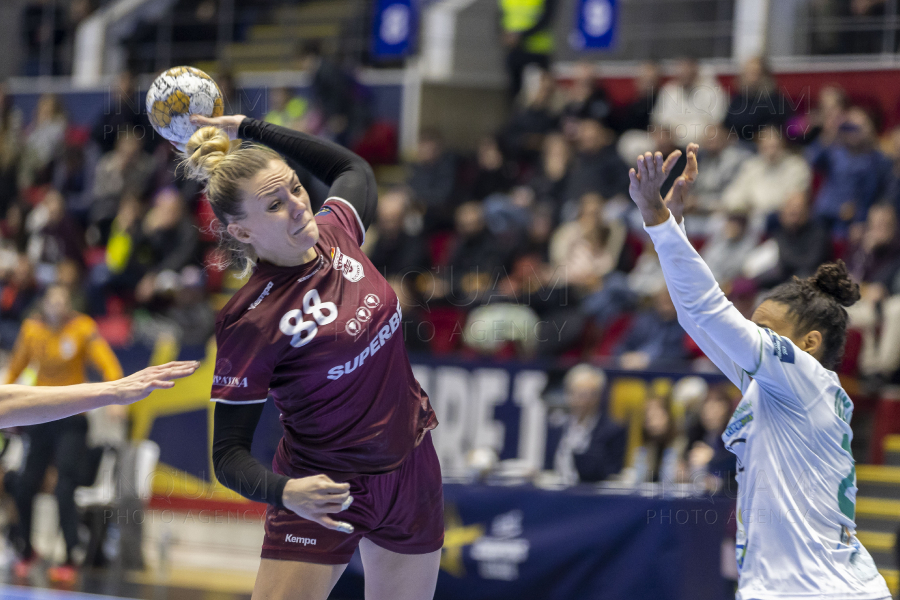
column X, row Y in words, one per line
column 530, row 247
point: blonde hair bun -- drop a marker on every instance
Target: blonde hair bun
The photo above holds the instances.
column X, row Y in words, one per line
column 205, row 151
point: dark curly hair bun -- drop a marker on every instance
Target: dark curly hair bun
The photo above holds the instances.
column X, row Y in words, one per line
column 834, row 279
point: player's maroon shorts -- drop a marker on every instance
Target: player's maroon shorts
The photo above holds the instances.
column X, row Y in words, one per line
column 401, row 511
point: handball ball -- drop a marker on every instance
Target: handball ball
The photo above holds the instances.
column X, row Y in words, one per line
column 176, row 95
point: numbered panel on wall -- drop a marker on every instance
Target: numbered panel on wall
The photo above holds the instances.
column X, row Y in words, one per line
column 596, row 22
column 394, row 28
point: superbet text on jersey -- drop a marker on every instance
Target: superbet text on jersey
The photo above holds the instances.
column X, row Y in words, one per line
column 322, row 339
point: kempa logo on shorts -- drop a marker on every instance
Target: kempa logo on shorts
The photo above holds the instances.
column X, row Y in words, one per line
column 230, row 381
column 300, row 540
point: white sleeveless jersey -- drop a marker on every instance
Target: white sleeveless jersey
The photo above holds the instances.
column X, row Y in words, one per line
column 791, row 435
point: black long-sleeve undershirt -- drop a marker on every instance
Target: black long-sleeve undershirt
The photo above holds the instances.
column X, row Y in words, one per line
column 350, row 177
column 234, row 466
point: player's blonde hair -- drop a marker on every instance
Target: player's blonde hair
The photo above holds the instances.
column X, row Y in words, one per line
column 224, row 164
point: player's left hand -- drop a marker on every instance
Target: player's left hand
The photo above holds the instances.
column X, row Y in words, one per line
column 138, row 386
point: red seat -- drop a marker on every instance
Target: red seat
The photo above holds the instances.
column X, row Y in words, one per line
column 613, row 335
column 115, row 329
column 439, row 247
column 850, row 363
column 447, row 323
column 839, row 248
column 94, row 256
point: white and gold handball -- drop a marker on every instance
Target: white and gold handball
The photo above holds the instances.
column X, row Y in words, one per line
column 176, row 95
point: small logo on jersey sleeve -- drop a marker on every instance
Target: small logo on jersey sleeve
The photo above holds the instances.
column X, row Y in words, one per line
column 783, row 348
column 325, row 210
column 351, row 268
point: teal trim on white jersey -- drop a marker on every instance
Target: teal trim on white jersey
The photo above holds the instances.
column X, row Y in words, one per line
column 791, row 434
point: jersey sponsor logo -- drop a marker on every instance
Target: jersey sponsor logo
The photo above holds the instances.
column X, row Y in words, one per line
column 300, row 540
column 371, row 301
column 783, row 348
column 351, row 268
column 223, row 366
column 265, row 293
column 742, row 415
column 353, row 327
column 384, row 334
column 325, row 210
column 229, row 381
column 843, row 406
column 740, row 552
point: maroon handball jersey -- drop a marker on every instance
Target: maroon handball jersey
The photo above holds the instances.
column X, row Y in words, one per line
column 324, row 340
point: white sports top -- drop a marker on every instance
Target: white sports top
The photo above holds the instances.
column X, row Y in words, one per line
column 791, row 434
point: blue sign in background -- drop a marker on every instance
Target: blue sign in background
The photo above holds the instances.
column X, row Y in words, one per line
column 525, row 543
column 394, row 28
column 596, row 24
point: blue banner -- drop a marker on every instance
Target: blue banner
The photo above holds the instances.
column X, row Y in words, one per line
column 531, row 544
column 596, row 24
column 394, row 28
column 501, row 406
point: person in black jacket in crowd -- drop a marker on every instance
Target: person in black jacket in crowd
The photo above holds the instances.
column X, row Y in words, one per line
column 803, row 244
column 122, row 116
column 395, row 251
column 636, row 114
column 757, row 102
column 432, row 179
column 597, row 166
column 592, row 447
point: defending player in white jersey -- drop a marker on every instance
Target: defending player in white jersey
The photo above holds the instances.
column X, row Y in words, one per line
column 791, row 431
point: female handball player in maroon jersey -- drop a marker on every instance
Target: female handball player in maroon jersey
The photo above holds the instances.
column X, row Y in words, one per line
column 316, row 328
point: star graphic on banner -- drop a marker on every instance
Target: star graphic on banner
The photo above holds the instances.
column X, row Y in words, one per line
column 456, row 537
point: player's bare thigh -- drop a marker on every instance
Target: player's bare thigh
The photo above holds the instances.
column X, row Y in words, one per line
column 289, row 579
column 393, row 576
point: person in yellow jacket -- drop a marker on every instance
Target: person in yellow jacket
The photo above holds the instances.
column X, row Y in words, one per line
column 527, row 34
column 60, row 343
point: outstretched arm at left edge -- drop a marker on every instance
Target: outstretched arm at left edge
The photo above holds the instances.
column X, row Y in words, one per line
column 28, row 405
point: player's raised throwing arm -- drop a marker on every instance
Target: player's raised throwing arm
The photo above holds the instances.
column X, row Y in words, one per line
column 692, row 285
column 28, row 405
column 350, row 177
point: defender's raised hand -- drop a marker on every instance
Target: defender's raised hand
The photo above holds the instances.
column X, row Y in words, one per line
column 681, row 189
column 645, row 182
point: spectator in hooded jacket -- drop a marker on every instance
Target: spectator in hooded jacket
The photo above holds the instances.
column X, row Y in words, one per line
column 855, row 173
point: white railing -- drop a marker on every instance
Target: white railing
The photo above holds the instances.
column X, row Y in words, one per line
column 97, row 50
